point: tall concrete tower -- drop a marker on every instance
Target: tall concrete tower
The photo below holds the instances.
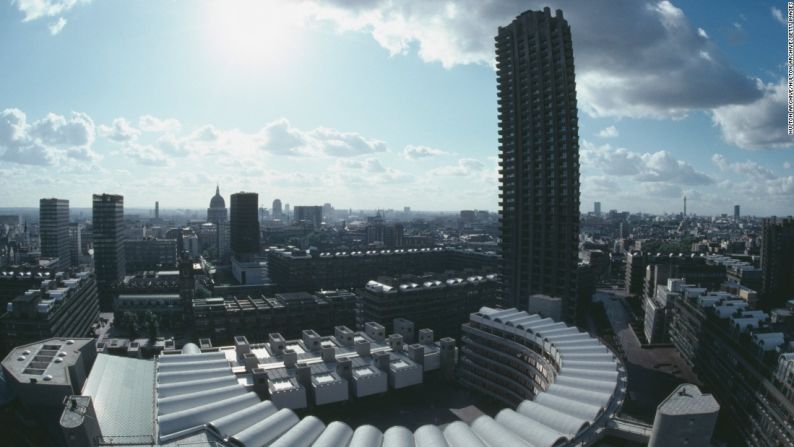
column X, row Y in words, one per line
column 538, row 159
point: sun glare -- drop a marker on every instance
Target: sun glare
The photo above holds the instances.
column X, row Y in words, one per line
column 252, row 32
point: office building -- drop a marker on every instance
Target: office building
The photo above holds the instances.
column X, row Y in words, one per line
column 150, row 254
column 597, row 208
column 156, row 209
column 538, row 159
column 311, row 215
column 777, row 262
column 60, row 307
column 737, row 353
column 54, row 231
column 277, row 212
column 436, row 302
column 245, row 224
column 736, row 213
column 108, row 237
column 75, row 244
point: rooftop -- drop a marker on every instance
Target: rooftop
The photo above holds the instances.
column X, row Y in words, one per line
column 687, row 399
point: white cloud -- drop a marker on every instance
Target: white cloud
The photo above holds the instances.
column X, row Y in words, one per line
column 121, row 130
column 758, row 125
column 702, row 33
column 281, row 138
column 47, row 141
column 787, row 164
column 464, row 168
column 39, row 9
column 149, row 123
column 367, row 171
column 412, row 152
column 609, row 132
column 146, row 154
column 654, row 167
column 56, row 26
column 778, row 15
column 651, row 63
column 748, row 168
column 758, row 182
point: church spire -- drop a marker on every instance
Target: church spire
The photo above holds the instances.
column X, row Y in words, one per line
column 217, row 189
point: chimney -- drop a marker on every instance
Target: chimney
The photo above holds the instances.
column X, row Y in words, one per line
column 329, row 353
column 362, row 348
column 396, row 342
column 382, row 360
column 290, row 358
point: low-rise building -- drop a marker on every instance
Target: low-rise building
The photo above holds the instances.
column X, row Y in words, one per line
column 436, row 302
column 257, row 316
column 150, row 254
column 300, row 270
column 61, row 307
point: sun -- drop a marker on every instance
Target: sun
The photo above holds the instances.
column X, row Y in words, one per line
column 252, row 32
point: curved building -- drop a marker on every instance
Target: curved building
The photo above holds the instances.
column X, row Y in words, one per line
column 561, row 387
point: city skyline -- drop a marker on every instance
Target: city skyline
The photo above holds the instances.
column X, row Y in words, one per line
column 369, row 106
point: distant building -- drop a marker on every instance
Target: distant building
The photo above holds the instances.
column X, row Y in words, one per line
column 468, row 216
column 167, row 307
column 438, row 302
column 108, row 237
column 75, row 243
column 277, row 212
column 386, row 236
column 257, row 316
column 298, row 270
column 597, row 208
column 217, row 215
column 190, row 245
column 252, row 271
column 736, row 213
column 309, row 214
column 217, row 210
column 328, row 212
column 64, row 307
column 538, row 159
column 777, row 262
column 245, row 224
column 54, row 230
column 150, row 254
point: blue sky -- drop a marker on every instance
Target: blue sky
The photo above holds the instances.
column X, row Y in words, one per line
column 382, row 104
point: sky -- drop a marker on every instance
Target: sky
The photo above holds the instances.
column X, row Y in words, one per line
column 383, row 104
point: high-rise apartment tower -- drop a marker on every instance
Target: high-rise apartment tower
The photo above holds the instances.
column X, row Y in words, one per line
column 538, row 159
column 108, row 237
